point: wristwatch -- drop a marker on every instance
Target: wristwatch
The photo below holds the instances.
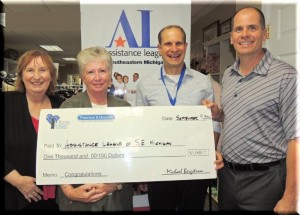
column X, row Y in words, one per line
column 119, row 186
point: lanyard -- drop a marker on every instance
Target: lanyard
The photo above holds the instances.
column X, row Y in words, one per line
column 173, row 101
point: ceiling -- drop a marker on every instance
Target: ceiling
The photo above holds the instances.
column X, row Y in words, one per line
column 45, row 22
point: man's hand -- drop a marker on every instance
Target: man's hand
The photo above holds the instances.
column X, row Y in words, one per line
column 216, row 112
column 219, row 161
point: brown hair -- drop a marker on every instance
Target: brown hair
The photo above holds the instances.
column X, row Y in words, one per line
column 260, row 13
column 25, row 59
column 169, row 27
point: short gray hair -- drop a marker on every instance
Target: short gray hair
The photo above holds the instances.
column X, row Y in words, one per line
column 94, row 53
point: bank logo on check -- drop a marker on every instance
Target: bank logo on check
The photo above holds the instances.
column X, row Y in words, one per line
column 96, row 117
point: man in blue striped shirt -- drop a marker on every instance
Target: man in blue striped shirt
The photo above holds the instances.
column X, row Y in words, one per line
column 175, row 84
column 260, row 137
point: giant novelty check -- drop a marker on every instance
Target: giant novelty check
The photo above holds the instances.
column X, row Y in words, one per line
column 125, row 144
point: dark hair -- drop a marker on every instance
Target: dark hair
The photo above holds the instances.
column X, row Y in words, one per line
column 125, row 76
column 25, row 59
column 169, row 27
column 261, row 16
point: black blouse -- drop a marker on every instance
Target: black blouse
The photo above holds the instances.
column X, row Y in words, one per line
column 20, row 143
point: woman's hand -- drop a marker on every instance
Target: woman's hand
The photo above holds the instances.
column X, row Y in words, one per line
column 88, row 192
column 25, row 184
column 29, row 189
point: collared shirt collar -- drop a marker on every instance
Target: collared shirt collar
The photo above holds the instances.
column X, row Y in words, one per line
column 262, row 68
column 187, row 73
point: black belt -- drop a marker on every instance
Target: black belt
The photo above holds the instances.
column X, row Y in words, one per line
column 251, row 167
